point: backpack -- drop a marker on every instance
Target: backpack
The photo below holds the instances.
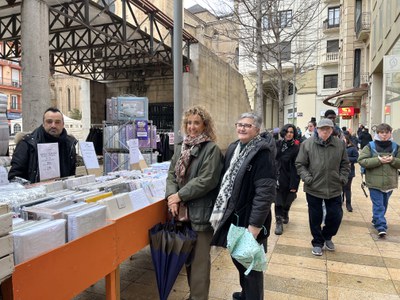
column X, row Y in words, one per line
column 373, row 149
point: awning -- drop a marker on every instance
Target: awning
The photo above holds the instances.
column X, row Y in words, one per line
column 353, row 93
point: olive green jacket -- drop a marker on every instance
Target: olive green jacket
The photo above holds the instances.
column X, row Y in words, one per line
column 379, row 176
column 324, row 167
column 202, row 183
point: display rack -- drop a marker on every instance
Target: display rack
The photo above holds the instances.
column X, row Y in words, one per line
column 115, row 144
column 68, row 270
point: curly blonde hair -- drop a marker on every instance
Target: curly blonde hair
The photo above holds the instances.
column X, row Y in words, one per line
column 209, row 129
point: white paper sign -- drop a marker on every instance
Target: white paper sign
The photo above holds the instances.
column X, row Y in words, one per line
column 49, row 161
column 138, row 199
column 3, row 176
column 89, row 155
column 134, row 153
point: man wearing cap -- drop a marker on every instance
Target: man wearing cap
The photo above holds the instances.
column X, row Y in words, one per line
column 323, row 166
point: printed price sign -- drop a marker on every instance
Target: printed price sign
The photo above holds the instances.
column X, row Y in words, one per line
column 89, row 155
column 49, row 161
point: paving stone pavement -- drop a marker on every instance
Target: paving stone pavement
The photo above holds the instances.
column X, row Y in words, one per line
column 363, row 266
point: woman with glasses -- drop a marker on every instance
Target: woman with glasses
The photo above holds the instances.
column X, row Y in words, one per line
column 247, row 191
column 193, row 179
column 288, row 180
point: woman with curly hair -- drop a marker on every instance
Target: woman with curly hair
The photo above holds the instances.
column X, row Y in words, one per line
column 288, row 181
column 193, row 179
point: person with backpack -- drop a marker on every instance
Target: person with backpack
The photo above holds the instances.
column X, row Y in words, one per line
column 380, row 159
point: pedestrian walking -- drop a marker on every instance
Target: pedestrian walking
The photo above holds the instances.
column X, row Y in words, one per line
column 323, row 166
column 352, row 154
column 247, row 191
column 310, row 131
column 288, row 180
column 381, row 161
column 193, row 179
column 365, row 137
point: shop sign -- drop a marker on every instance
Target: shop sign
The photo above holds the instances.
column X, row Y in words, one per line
column 387, row 109
column 346, row 111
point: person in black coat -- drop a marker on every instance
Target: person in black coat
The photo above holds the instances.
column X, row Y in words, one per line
column 24, row 162
column 352, row 153
column 288, row 180
column 364, row 137
column 247, row 191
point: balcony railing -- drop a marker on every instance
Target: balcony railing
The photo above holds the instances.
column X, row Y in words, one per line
column 329, row 58
column 329, row 25
column 10, row 82
column 363, row 25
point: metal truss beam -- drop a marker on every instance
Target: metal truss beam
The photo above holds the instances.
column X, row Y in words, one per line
column 88, row 40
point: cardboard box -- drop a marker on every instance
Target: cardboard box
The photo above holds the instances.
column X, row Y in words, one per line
column 6, row 267
column 6, row 245
column 5, row 223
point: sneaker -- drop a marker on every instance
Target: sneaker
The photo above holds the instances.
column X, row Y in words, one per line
column 382, row 233
column 317, row 251
column 329, row 245
column 237, row 296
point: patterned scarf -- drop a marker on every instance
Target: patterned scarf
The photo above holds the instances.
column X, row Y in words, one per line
column 226, row 188
column 184, row 160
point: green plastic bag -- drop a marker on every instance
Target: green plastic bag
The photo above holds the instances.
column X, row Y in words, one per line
column 245, row 249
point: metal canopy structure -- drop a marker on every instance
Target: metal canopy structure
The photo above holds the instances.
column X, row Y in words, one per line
column 87, row 39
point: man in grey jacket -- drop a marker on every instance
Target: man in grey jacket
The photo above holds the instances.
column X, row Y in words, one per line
column 323, row 166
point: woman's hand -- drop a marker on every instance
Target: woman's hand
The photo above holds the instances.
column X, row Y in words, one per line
column 174, row 209
column 254, row 230
column 174, row 199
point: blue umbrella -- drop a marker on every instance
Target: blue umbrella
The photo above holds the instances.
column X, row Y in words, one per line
column 170, row 245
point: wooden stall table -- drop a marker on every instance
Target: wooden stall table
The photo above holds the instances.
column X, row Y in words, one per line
column 68, row 270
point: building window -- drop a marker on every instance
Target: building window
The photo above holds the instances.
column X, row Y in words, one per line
column 17, row 128
column 272, row 50
column 332, row 46
column 69, row 99
column 285, row 18
column 357, row 68
column 333, row 17
column 15, row 77
column 330, row 81
column 14, row 102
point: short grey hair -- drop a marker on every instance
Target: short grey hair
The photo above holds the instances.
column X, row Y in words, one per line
column 256, row 118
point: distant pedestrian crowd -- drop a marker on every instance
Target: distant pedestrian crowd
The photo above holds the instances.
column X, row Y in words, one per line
column 261, row 168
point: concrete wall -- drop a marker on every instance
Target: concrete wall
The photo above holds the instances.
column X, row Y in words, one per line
column 211, row 82
column 218, row 87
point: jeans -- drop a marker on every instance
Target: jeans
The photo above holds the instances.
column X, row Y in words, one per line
column 380, row 202
column 334, row 214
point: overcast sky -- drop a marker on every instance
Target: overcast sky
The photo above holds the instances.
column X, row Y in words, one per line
column 189, row 3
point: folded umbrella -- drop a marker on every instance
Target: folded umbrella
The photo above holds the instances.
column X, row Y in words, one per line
column 244, row 248
column 170, row 246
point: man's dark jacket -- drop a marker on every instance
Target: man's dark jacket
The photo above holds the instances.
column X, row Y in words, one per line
column 24, row 161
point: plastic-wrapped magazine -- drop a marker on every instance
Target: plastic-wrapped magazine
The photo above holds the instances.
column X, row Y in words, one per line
column 37, row 239
column 139, row 199
column 85, row 221
column 117, row 206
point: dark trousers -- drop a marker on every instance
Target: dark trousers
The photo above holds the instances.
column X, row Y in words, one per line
column 283, row 202
column 347, row 191
column 334, row 214
column 252, row 284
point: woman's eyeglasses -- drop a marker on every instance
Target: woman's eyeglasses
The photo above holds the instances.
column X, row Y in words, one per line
column 244, row 125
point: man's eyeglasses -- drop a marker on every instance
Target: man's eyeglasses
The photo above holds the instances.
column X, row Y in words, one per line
column 244, row 125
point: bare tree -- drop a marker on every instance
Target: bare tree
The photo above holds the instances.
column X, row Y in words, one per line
column 277, row 38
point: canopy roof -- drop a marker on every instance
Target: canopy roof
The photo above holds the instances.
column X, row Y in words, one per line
column 86, row 39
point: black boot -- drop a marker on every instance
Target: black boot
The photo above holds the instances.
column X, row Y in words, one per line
column 279, row 226
column 285, row 218
column 349, row 207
